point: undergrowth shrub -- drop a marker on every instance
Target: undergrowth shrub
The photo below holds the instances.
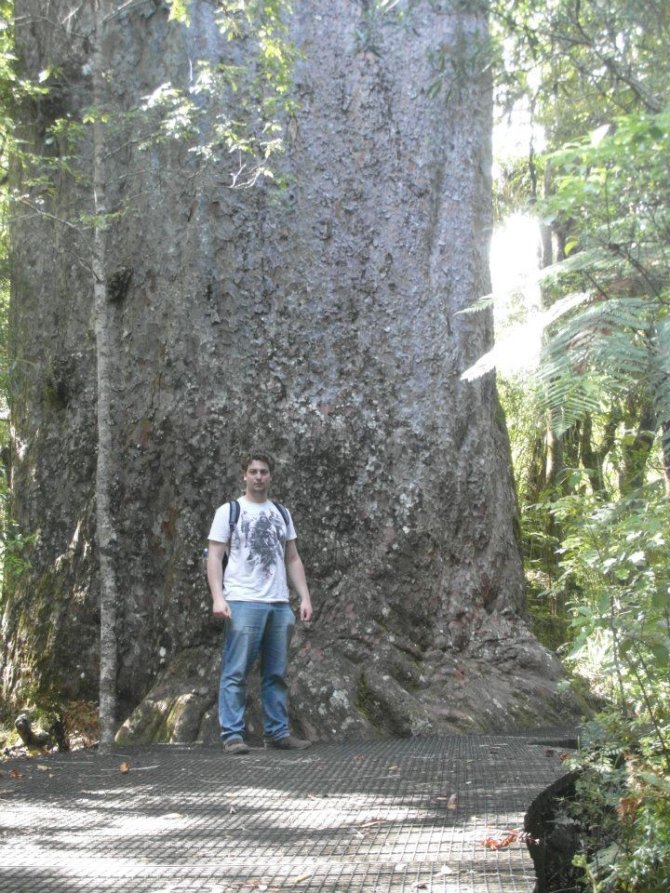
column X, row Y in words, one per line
column 622, row 808
column 616, row 563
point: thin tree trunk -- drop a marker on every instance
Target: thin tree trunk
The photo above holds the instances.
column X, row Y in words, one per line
column 593, row 458
column 666, row 456
column 636, row 454
column 105, row 533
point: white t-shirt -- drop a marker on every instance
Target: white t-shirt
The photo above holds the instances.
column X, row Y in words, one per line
column 256, row 571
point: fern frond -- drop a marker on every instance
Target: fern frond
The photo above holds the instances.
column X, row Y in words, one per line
column 515, row 344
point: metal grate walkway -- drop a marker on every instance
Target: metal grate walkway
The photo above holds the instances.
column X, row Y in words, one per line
column 375, row 817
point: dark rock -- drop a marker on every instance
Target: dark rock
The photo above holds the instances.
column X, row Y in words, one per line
column 31, row 736
column 558, row 839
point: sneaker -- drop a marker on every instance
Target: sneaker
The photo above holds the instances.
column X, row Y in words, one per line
column 235, row 745
column 290, row 743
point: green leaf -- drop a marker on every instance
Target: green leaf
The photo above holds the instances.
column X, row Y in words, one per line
column 179, row 11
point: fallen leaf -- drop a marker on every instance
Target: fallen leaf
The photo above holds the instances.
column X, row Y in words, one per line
column 627, row 807
column 300, row 879
column 452, row 803
column 504, row 840
column 124, row 768
column 14, row 773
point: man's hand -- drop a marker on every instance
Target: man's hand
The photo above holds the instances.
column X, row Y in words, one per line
column 215, row 553
column 220, row 608
column 296, row 574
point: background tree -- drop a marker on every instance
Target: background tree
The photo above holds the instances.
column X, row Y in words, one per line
column 595, row 77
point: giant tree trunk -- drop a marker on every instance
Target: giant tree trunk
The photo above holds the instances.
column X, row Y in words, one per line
column 321, row 320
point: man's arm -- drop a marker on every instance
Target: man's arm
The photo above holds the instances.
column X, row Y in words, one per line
column 296, row 574
column 215, row 553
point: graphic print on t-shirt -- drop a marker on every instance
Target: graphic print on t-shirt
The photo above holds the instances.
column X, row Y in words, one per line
column 263, row 537
column 256, row 566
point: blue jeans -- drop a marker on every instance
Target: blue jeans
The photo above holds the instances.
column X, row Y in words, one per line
column 256, row 628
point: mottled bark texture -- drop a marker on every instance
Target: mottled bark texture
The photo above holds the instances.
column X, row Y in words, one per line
column 321, row 320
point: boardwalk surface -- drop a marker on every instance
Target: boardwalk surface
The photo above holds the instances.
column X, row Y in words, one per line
column 378, row 817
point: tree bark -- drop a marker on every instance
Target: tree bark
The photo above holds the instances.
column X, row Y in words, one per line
column 322, row 320
column 105, row 527
column 636, row 453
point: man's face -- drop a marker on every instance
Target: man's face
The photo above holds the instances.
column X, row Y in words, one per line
column 257, row 478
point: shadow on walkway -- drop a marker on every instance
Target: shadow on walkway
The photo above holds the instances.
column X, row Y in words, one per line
column 384, row 816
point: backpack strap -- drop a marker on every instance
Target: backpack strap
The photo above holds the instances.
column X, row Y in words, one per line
column 234, row 514
column 282, row 511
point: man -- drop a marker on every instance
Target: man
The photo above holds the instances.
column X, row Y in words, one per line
column 254, row 601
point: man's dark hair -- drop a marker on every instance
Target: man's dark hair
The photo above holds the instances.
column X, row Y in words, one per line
column 258, row 456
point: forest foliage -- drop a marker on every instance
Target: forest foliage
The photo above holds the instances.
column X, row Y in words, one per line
column 590, row 425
